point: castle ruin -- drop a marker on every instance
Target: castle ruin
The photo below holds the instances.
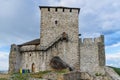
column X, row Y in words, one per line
column 59, row 36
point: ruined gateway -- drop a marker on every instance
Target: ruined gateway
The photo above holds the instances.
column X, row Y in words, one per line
column 59, row 37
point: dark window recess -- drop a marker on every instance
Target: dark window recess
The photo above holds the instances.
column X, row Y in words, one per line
column 48, row 9
column 30, row 54
column 70, row 10
column 63, row 9
column 56, row 9
column 14, row 49
column 56, row 22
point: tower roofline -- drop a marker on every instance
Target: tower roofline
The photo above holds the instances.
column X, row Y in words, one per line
column 59, row 7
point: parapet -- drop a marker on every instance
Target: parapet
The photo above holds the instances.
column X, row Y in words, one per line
column 59, row 8
column 14, row 47
column 92, row 40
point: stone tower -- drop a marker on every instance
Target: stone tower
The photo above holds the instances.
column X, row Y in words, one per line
column 54, row 22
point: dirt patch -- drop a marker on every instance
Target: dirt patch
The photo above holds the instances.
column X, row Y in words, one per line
column 4, row 76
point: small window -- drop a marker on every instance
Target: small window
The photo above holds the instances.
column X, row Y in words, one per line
column 56, row 9
column 63, row 9
column 30, row 54
column 70, row 10
column 48, row 9
column 56, row 22
column 14, row 49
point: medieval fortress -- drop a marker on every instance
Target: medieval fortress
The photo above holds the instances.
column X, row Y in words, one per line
column 59, row 36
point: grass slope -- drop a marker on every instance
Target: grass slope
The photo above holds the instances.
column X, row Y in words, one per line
column 116, row 70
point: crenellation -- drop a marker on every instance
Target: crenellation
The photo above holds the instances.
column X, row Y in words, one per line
column 87, row 41
column 60, row 9
column 94, row 41
column 99, row 39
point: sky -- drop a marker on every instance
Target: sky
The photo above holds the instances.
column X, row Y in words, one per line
column 20, row 22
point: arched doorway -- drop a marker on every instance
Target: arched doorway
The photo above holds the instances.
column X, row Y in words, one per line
column 33, row 67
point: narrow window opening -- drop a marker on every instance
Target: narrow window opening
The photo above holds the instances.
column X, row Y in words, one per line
column 56, row 9
column 56, row 22
column 63, row 9
column 30, row 54
column 70, row 10
column 14, row 49
column 48, row 9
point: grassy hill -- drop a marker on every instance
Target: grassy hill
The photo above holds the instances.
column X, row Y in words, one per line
column 116, row 69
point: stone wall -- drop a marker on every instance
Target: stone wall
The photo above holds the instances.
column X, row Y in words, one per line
column 55, row 21
column 41, row 58
column 14, row 59
column 92, row 55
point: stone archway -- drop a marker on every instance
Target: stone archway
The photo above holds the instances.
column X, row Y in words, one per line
column 33, row 67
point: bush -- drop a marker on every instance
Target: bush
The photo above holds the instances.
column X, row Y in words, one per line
column 98, row 74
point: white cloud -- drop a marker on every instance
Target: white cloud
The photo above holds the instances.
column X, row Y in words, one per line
column 113, row 56
column 90, row 35
column 113, row 59
column 113, row 45
column 8, row 8
column 4, row 60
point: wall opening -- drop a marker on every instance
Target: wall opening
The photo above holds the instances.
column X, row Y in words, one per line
column 56, row 22
column 70, row 10
column 33, row 67
column 48, row 9
column 56, row 9
column 63, row 9
column 14, row 49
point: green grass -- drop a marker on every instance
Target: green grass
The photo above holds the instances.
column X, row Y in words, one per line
column 39, row 74
column 3, row 79
column 117, row 70
column 42, row 73
column 18, row 76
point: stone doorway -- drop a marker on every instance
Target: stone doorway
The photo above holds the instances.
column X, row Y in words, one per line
column 33, row 67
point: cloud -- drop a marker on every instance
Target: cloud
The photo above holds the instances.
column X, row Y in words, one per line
column 18, row 17
column 3, row 60
column 114, row 45
column 112, row 38
column 8, row 7
column 113, row 59
column 115, row 56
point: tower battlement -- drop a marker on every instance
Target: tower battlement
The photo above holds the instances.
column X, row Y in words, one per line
column 92, row 40
column 59, row 9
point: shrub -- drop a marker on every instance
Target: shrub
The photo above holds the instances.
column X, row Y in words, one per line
column 98, row 74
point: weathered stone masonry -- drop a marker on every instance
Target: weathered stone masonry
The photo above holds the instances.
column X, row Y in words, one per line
column 59, row 37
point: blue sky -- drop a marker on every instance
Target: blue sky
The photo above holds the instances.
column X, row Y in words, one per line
column 20, row 22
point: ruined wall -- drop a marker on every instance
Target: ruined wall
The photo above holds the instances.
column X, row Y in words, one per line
column 55, row 21
column 92, row 55
column 14, row 59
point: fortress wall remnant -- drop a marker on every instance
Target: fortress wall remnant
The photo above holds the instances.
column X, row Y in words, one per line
column 14, row 59
column 92, row 58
